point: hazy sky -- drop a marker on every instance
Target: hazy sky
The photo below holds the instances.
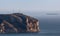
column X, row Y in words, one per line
column 30, row 5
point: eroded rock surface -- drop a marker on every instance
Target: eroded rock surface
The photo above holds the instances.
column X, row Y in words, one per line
column 17, row 22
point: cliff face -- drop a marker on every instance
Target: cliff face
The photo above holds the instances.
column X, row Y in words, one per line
column 17, row 22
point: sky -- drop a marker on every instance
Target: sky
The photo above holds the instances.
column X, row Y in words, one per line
column 30, row 5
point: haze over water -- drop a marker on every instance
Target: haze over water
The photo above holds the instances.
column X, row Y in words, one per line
column 49, row 24
column 46, row 11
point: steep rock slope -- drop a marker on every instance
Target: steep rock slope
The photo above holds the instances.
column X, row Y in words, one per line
column 17, row 22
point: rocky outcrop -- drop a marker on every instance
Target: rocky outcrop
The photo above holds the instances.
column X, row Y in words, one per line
column 17, row 22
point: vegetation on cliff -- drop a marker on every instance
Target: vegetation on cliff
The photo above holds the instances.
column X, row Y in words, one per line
column 17, row 22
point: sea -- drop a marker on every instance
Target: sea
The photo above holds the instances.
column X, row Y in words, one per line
column 49, row 26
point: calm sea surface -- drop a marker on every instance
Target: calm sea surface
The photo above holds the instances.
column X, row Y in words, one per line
column 49, row 26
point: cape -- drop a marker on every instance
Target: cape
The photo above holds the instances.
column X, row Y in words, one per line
column 18, row 22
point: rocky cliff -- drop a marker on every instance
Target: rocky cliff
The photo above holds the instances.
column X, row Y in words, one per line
column 17, row 22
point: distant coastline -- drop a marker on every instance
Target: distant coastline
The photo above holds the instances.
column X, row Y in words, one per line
column 52, row 14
